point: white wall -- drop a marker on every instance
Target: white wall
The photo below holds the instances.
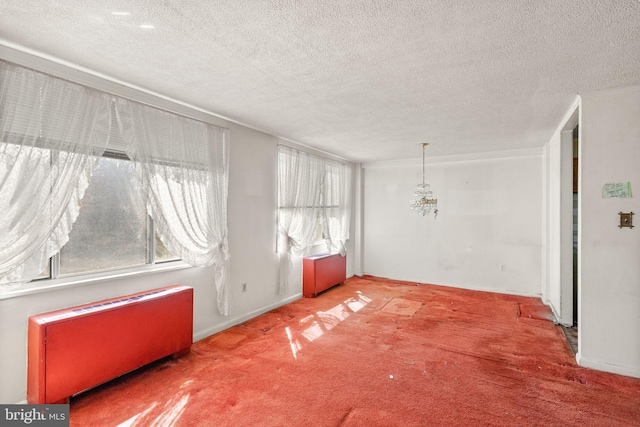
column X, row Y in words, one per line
column 609, row 272
column 552, row 296
column 252, row 217
column 487, row 235
column 545, row 224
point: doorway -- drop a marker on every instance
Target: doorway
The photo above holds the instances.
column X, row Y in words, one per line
column 571, row 330
column 567, row 214
column 576, row 189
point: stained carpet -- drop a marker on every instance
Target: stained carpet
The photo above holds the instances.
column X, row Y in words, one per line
column 436, row 356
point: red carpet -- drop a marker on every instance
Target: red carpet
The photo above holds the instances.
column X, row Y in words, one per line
column 354, row 356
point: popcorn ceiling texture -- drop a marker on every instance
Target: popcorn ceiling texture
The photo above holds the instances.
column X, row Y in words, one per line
column 367, row 80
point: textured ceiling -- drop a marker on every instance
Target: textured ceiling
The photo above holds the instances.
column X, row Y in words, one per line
column 367, row 80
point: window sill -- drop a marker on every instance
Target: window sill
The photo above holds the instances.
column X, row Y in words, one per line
column 85, row 279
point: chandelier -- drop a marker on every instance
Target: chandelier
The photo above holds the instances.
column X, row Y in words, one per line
column 423, row 201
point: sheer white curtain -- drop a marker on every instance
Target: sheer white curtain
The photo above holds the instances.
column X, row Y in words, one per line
column 51, row 133
column 337, row 200
column 184, row 164
column 300, row 178
column 314, row 195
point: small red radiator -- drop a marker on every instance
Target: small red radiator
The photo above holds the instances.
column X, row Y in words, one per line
column 320, row 272
column 77, row 348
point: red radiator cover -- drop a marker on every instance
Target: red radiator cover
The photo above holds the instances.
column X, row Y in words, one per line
column 80, row 347
column 320, row 272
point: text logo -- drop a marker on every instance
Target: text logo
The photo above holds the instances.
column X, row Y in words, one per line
column 34, row 415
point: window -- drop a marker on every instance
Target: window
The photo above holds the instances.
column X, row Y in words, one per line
column 314, row 201
column 113, row 230
column 53, row 136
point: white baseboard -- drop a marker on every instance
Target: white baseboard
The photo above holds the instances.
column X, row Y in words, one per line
column 235, row 321
column 608, row 367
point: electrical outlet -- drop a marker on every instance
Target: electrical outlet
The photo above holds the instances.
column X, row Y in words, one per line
column 244, row 287
column 503, row 267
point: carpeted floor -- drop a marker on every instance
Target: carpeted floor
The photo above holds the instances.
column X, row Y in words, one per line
column 374, row 352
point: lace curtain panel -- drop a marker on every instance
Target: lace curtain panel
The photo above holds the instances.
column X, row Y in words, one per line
column 51, row 134
column 183, row 163
column 337, row 199
column 312, row 192
column 300, row 179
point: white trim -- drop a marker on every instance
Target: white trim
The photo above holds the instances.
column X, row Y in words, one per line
column 571, row 118
column 358, row 219
column 248, row 316
column 558, row 320
column 608, row 91
column 474, row 288
column 313, row 151
column 46, row 285
column 491, row 155
column 607, row 367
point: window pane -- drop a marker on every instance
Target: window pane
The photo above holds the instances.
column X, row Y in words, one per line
column 46, row 274
column 162, row 253
column 111, row 229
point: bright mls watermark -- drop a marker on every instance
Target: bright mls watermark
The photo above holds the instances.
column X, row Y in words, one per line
column 34, row 415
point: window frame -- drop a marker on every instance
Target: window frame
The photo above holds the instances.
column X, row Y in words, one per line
column 45, row 285
column 329, row 164
column 150, row 240
column 57, row 280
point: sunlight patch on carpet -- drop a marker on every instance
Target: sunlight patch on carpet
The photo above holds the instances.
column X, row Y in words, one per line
column 401, row 306
column 316, row 325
